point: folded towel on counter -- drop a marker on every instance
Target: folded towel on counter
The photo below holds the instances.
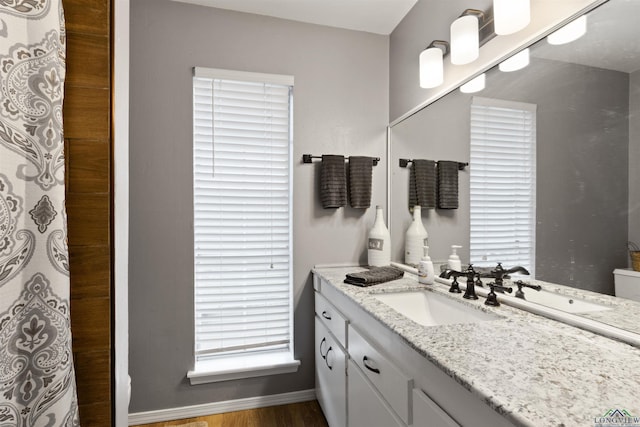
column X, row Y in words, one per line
column 360, row 179
column 333, row 181
column 447, row 184
column 422, row 184
column 374, row 276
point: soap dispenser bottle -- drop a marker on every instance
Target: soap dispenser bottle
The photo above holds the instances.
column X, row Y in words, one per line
column 379, row 242
column 454, row 262
column 415, row 238
column 426, row 273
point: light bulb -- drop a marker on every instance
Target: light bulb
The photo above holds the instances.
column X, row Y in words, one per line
column 474, row 85
column 516, row 62
column 570, row 32
column 431, row 68
column 510, row 16
column 465, row 40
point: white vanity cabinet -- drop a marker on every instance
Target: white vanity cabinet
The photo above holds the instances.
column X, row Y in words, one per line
column 388, row 380
column 366, row 407
column 426, row 413
column 331, row 362
column 377, row 380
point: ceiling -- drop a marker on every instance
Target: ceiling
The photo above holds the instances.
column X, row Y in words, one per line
column 373, row 16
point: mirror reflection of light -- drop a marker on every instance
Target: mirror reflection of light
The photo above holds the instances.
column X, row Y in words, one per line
column 475, row 85
column 516, row 62
column 570, row 32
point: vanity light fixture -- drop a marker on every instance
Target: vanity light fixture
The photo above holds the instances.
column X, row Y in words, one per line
column 465, row 37
column 432, row 64
column 511, row 16
column 474, row 85
column 516, row 62
column 570, row 32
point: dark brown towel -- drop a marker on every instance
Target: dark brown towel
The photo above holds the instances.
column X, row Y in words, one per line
column 360, row 179
column 333, row 181
column 374, row 276
column 422, row 184
column 447, row 184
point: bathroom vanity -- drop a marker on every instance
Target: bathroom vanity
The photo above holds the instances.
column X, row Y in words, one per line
column 381, row 362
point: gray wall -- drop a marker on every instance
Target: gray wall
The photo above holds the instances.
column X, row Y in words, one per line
column 582, row 171
column 428, row 20
column 634, row 157
column 341, row 106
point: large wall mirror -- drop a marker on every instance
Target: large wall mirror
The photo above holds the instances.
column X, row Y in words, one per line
column 581, row 101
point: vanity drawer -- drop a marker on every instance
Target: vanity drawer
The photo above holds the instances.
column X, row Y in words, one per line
column 366, row 407
column 426, row 413
column 392, row 383
column 331, row 317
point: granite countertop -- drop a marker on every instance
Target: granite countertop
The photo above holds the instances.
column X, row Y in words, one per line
column 625, row 313
column 532, row 370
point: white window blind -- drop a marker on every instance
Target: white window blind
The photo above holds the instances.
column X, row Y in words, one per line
column 242, row 136
column 503, row 183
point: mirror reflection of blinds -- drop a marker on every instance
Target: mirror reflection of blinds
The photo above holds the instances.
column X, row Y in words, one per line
column 242, row 223
column 503, row 183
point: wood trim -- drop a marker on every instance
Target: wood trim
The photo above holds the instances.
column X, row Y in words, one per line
column 221, row 407
column 88, row 145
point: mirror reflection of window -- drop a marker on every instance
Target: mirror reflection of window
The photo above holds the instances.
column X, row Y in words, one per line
column 503, row 183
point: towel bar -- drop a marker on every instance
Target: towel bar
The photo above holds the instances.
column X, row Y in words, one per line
column 405, row 162
column 308, row 158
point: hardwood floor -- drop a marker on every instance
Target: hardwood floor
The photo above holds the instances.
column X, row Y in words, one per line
column 304, row 414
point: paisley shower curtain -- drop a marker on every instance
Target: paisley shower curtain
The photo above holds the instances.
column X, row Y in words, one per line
column 37, row 380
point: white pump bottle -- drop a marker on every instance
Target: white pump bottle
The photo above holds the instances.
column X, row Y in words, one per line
column 426, row 272
column 454, row 262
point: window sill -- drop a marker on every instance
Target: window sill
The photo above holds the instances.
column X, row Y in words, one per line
column 238, row 367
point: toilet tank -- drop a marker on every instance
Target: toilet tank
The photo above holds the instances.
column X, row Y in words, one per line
column 627, row 283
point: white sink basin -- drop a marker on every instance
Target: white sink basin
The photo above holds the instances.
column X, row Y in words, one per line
column 562, row 302
column 431, row 309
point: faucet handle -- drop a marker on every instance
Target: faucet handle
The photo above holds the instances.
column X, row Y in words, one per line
column 492, row 298
column 447, row 274
column 521, row 284
column 455, row 286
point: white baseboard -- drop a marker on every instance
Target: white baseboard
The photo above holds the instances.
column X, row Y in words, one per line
column 221, row 407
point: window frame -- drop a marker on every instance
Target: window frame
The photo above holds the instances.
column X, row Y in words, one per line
column 524, row 107
column 259, row 362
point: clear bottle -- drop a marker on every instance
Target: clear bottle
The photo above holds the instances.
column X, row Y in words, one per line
column 426, row 272
column 379, row 242
column 415, row 239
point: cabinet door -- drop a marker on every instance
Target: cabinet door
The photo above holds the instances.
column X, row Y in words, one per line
column 331, row 380
column 366, row 407
column 390, row 382
column 426, row 413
